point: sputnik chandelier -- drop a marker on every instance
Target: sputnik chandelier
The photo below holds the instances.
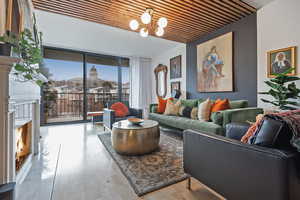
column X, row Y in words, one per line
column 147, row 24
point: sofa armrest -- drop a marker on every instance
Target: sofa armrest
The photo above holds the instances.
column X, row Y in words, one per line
column 136, row 112
column 108, row 118
column 236, row 170
column 152, row 107
column 238, row 115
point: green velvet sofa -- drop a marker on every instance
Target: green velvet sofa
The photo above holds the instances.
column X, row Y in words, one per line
column 238, row 112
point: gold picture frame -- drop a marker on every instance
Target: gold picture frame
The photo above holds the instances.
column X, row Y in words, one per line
column 287, row 59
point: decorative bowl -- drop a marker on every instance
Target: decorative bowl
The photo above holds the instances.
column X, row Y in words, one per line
column 135, row 121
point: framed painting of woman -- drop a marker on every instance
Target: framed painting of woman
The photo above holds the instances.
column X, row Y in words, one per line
column 282, row 60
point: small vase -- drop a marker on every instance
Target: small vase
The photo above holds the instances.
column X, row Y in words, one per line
column 5, row 49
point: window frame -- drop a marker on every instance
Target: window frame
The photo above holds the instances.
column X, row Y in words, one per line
column 85, row 54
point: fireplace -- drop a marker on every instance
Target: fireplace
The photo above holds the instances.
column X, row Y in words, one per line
column 19, row 127
column 23, row 144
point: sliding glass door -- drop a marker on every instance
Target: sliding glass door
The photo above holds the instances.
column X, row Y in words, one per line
column 80, row 83
column 63, row 97
column 102, row 82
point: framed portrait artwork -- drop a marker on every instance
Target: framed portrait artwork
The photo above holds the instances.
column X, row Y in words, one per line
column 175, row 86
column 281, row 60
column 175, row 67
column 215, row 64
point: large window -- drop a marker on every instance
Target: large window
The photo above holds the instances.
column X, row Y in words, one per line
column 81, row 83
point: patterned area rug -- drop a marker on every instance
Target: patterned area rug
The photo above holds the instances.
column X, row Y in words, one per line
column 154, row 171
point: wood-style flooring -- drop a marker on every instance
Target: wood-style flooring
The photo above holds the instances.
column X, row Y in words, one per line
column 74, row 165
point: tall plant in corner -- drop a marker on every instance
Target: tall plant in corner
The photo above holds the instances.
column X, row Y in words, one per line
column 283, row 90
column 26, row 45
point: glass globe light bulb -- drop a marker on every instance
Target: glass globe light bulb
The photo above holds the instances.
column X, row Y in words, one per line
column 159, row 31
column 134, row 24
column 146, row 18
column 144, row 32
column 162, row 22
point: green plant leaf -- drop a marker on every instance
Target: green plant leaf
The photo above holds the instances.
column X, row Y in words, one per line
column 20, row 68
column 266, row 93
column 39, row 82
column 273, row 85
column 28, row 76
column 291, row 103
column 271, row 102
column 287, row 108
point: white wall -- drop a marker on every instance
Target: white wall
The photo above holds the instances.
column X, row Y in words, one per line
column 164, row 58
column 72, row 33
column 277, row 27
column 22, row 91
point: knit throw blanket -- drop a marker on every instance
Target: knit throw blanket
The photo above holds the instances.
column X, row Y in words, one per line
column 291, row 118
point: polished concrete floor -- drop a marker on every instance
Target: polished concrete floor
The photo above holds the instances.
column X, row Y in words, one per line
column 74, row 165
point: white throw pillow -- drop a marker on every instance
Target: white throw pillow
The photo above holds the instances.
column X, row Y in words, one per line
column 204, row 110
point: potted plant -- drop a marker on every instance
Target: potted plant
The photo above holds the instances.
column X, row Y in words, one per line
column 28, row 47
column 283, row 90
column 6, row 42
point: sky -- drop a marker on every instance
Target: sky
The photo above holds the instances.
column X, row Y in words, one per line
column 64, row 70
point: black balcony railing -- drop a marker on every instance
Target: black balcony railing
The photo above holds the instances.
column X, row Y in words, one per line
column 62, row 107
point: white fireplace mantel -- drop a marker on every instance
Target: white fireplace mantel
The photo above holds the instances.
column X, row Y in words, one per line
column 15, row 97
column 6, row 128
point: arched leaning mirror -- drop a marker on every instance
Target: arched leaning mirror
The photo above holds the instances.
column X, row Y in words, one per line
column 161, row 72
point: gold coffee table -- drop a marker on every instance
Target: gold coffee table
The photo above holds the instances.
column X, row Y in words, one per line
column 131, row 139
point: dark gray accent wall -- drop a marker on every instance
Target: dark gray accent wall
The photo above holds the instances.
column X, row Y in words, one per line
column 245, row 62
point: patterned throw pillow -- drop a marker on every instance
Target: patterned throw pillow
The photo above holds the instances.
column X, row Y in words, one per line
column 120, row 109
column 187, row 112
column 194, row 113
column 162, row 104
column 172, row 108
column 204, row 110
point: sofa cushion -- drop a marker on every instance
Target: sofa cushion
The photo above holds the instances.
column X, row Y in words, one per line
column 272, row 133
column 186, row 123
column 172, row 108
column 236, row 130
column 220, row 105
column 267, row 133
column 194, row 113
column 238, row 104
column 121, row 110
column 204, row 110
column 187, row 112
column 162, row 103
column 189, row 102
column 154, row 109
column 181, row 109
column 217, row 118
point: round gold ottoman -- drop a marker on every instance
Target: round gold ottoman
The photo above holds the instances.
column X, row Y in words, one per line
column 131, row 139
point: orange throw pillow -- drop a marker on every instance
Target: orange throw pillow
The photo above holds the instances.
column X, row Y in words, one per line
column 220, row 105
column 120, row 109
column 162, row 103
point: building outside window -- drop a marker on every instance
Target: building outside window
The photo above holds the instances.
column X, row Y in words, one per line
column 81, row 83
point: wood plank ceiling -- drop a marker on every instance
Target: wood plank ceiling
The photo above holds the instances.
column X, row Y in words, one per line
column 187, row 19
